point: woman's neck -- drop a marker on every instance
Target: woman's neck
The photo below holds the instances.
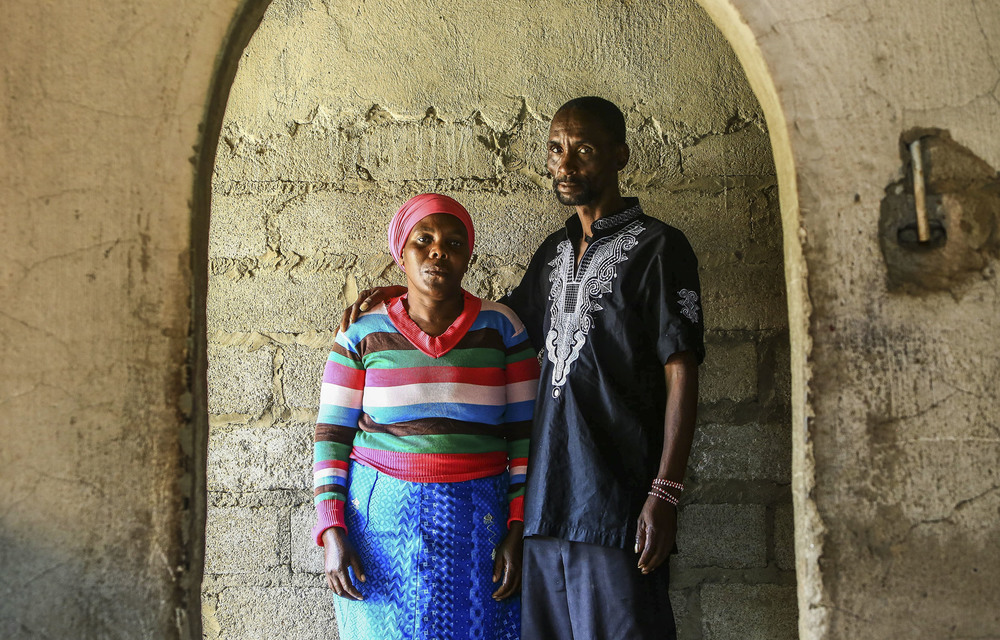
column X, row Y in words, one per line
column 433, row 315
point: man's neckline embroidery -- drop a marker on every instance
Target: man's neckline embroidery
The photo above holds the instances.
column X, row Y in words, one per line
column 574, row 295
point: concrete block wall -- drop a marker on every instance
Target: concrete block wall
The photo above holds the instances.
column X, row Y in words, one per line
column 309, row 171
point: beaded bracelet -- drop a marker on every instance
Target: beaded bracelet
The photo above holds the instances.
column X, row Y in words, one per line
column 663, row 495
column 661, row 482
column 659, row 493
column 659, row 490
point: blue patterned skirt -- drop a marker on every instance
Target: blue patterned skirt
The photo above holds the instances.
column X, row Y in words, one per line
column 427, row 552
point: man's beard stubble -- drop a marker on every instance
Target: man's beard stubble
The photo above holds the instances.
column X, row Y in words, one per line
column 586, row 195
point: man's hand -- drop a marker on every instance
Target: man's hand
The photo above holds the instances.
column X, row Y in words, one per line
column 339, row 555
column 656, row 533
column 366, row 300
column 507, row 567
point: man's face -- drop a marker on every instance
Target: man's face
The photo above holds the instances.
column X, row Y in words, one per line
column 583, row 159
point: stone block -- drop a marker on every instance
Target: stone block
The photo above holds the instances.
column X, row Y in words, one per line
column 237, row 228
column 749, row 612
column 729, row 371
column 514, row 225
column 268, row 161
column 245, row 541
column 742, row 452
column 726, row 536
column 784, row 537
column 240, row 380
column 398, row 151
column 335, row 222
column 283, row 498
column 746, row 152
column 684, row 618
column 347, row 223
column 491, row 276
column 380, row 150
column 775, row 372
column 653, row 162
column 272, row 458
column 257, row 613
column 307, row 556
column 301, row 375
column 528, row 146
column 285, row 299
column 733, row 256
column 277, row 159
column 749, row 297
column 697, row 214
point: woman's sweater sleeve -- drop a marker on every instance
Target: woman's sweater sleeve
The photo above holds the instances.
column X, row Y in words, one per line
column 522, row 386
column 340, row 409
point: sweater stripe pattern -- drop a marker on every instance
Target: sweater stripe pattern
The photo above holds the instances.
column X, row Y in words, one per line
column 425, row 413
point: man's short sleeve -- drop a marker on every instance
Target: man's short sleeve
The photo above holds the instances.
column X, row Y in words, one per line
column 529, row 298
column 675, row 300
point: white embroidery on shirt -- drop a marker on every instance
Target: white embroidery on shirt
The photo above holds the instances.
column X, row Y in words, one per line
column 574, row 296
column 689, row 304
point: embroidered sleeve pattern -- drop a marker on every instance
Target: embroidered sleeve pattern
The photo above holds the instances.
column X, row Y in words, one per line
column 677, row 305
column 336, row 425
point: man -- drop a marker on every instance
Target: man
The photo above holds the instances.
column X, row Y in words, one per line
column 613, row 301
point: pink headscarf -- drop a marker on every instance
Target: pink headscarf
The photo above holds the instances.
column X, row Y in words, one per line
column 416, row 209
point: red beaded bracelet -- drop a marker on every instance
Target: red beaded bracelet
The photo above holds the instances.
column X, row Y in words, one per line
column 663, row 495
column 662, row 490
column 661, row 482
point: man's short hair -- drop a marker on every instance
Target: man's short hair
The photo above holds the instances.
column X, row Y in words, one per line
column 605, row 111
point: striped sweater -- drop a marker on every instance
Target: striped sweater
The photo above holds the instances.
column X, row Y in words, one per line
column 425, row 409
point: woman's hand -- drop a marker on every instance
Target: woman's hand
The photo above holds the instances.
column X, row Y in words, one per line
column 507, row 566
column 656, row 533
column 366, row 300
column 339, row 554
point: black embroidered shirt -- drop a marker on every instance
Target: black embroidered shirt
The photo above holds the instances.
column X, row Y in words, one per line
column 605, row 328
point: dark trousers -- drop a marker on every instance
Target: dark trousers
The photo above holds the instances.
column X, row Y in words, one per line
column 581, row 591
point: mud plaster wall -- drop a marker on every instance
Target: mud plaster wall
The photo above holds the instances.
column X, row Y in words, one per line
column 896, row 484
column 100, row 107
column 329, row 128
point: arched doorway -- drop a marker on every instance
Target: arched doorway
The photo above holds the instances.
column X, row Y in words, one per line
column 311, row 130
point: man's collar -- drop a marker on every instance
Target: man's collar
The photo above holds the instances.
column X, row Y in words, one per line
column 608, row 225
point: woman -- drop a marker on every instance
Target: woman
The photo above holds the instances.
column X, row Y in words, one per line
column 421, row 448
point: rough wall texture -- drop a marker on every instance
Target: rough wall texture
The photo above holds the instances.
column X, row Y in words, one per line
column 327, row 132
column 897, row 490
column 100, row 105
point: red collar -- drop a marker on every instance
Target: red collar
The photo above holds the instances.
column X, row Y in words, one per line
column 434, row 346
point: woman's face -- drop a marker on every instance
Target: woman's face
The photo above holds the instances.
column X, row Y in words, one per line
column 436, row 256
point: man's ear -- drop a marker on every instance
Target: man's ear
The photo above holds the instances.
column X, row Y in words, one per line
column 623, row 155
